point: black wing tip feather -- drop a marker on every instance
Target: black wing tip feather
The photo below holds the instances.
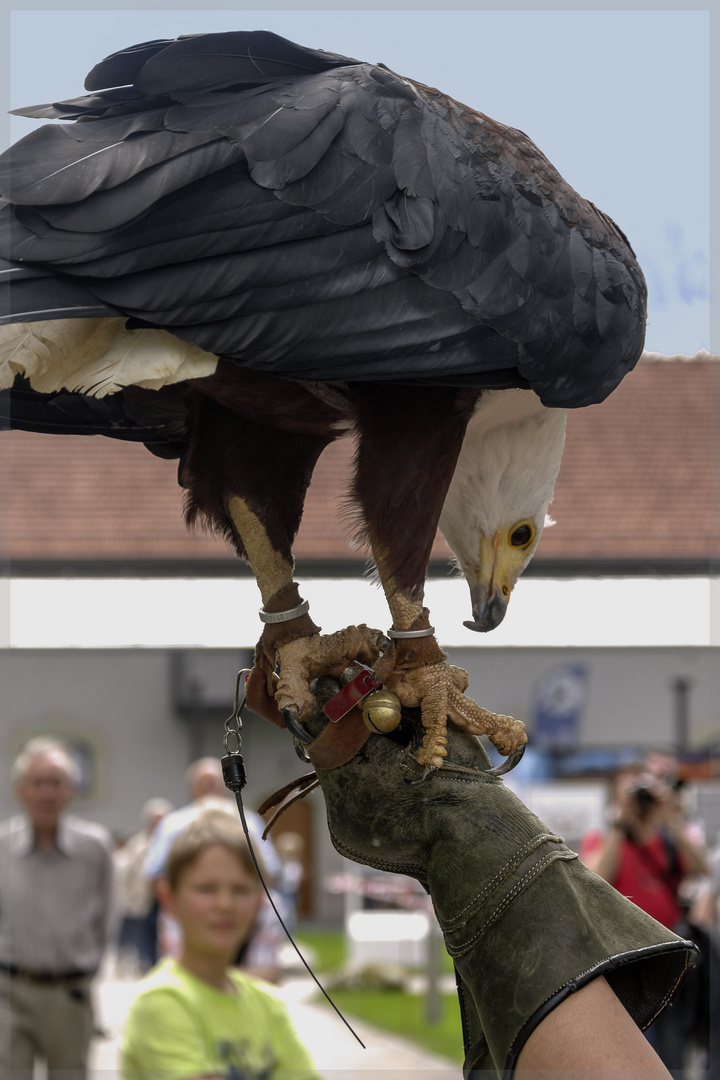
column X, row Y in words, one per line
column 121, row 68
column 182, row 63
column 65, row 412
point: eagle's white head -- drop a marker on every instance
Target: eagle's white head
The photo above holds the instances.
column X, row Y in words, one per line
column 496, row 506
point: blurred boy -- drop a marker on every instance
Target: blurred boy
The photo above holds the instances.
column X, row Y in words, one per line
column 196, row 1017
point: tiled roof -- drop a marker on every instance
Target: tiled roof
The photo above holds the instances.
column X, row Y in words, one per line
column 640, row 476
column 640, row 479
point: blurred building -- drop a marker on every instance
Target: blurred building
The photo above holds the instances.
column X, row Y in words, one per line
column 122, row 632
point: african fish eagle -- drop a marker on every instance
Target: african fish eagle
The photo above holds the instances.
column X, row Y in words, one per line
column 236, row 250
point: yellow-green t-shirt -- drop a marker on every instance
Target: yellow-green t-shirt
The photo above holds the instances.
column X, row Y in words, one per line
column 180, row 1027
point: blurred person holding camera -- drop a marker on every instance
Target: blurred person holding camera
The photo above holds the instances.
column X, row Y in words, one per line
column 646, row 854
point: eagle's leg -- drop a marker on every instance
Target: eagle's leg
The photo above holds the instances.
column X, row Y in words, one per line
column 401, row 513
column 249, row 481
column 295, row 644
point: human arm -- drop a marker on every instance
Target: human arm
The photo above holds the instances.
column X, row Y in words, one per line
column 292, row 1058
column 157, row 849
column 631, row 818
column 604, row 857
column 705, row 911
column 589, row 1027
column 691, row 855
column 108, row 892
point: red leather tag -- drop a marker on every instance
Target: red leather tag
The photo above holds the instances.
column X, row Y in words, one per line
column 354, row 691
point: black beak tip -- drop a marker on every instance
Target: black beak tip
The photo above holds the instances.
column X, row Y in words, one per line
column 488, row 617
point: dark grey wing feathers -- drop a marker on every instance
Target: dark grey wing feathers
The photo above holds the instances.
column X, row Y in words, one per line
column 324, row 219
column 31, row 293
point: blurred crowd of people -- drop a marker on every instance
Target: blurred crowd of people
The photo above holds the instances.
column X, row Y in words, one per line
column 68, row 890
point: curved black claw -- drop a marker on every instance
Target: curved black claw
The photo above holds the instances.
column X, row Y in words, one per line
column 290, row 719
column 301, row 751
column 429, row 771
column 510, row 762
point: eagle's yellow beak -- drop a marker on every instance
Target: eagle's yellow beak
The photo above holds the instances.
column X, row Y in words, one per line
column 501, row 560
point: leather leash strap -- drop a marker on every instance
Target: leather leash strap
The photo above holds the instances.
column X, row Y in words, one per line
column 285, row 797
column 338, row 743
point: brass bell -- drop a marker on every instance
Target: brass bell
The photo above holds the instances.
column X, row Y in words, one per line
column 381, row 711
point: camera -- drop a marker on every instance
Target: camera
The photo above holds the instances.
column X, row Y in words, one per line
column 644, row 798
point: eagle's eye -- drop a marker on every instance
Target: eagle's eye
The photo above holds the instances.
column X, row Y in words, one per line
column 522, row 535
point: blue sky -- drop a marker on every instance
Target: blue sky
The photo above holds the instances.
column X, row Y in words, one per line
column 618, row 100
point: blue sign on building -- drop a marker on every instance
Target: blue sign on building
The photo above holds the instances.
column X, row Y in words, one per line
column 559, row 701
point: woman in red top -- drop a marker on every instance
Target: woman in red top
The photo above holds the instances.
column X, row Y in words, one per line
column 645, row 855
column 634, row 855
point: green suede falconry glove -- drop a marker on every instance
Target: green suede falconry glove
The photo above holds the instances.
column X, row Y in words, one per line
column 524, row 920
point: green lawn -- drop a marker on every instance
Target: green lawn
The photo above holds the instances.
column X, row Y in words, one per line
column 392, row 1010
column 328, row 949
column 404, row 1014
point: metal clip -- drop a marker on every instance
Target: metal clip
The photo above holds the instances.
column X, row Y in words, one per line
column 233, row 724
